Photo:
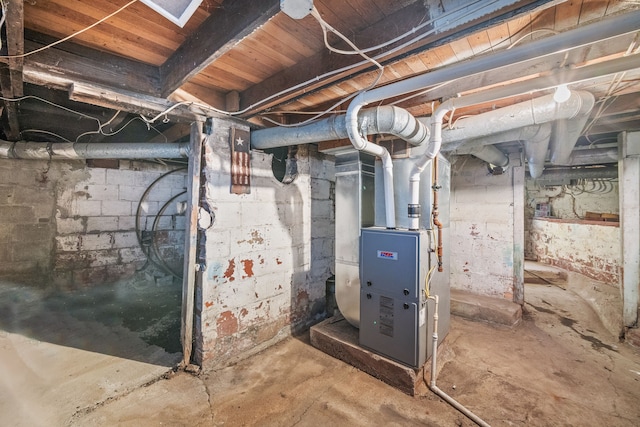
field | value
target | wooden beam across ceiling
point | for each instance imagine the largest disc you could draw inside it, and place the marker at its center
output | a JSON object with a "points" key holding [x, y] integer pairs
{"points": [[223, 30], [74, 63], [11, 82]]}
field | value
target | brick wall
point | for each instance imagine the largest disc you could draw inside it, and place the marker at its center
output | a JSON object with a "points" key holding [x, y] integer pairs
{"points": [[268, 253], [70, 225]]}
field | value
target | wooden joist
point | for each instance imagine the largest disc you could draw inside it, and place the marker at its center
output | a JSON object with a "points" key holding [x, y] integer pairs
{"points": [[221, 32]]}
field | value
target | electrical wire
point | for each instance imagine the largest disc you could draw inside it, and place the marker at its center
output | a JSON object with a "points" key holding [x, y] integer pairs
{"points": [[45, 132], [70, 36], [530, 33], [326, 27], [137, 224], [329, 73], [154, 241]]}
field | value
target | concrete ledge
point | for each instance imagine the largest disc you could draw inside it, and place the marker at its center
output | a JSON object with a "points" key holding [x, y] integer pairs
{"points": [[337, 338], [480, 307]]}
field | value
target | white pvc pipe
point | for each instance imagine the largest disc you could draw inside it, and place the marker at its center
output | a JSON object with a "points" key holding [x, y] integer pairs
{"points": [[434, 372], [420, 164], [361, 144]]}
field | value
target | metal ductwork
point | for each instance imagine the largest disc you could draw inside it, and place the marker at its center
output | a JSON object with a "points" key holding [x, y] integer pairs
{"points": [[594, 156], [385, 119], [559, 174], [521, 122], [71, 151]]}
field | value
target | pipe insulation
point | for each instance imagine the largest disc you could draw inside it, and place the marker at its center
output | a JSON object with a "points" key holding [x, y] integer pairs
{"points": [[71, 151]]}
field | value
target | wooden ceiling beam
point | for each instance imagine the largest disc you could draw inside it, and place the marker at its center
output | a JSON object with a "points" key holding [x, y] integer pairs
{"points": [[388, 28], [74, 63], [11, 82], [223, 30]]}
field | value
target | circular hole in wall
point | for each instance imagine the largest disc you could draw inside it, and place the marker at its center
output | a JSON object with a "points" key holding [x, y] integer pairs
{"points": [[284, 163]]}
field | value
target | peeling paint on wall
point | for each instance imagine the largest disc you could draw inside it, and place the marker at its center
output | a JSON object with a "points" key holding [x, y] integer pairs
{"points": [[269, 253], [589, 249]]}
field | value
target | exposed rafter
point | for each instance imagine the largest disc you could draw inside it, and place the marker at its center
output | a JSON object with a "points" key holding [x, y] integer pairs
{"points": [[322, 63], [217, 35]]}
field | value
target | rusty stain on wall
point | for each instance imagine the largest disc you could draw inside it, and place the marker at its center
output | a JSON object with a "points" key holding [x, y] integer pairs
{"points": [[228, 274], [227, 324], [255, 238], [248, 268]]}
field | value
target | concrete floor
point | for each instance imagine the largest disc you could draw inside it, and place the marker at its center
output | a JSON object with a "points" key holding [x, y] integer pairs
{"points": [[559, 366]]}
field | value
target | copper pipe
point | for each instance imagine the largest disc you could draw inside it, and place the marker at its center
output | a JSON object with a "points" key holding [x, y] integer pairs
{"points": [[435, 213]]}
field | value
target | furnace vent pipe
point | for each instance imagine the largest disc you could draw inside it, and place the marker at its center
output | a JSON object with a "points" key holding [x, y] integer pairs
{"points": [[386, 119], [71, 151]]}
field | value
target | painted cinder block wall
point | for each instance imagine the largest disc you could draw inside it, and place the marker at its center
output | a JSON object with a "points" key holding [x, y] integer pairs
{"points": [[588, 248], [268, 253], [67, 225], [96, 238], [486, 228]]}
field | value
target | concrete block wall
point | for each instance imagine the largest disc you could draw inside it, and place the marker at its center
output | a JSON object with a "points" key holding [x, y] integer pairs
{"points": [[589, 249], [96, 239], [27, 222], [268, 253], [572, 202], [485, 258], [64, 224]]}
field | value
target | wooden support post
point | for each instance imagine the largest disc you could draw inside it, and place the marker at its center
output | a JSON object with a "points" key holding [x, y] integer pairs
{"points": [[191, 242]]}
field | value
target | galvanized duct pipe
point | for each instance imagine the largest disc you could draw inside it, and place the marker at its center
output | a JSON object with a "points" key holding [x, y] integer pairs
{"points": [[571, 39], [595, 156], [581, 36], [70, 150], [564, 138], [385, 119], [605, 172], [536, 147], [483, 147], [533, 112]]}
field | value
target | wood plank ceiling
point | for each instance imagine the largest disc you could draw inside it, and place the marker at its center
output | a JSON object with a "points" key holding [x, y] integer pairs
{"points": [[234, 54]]}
